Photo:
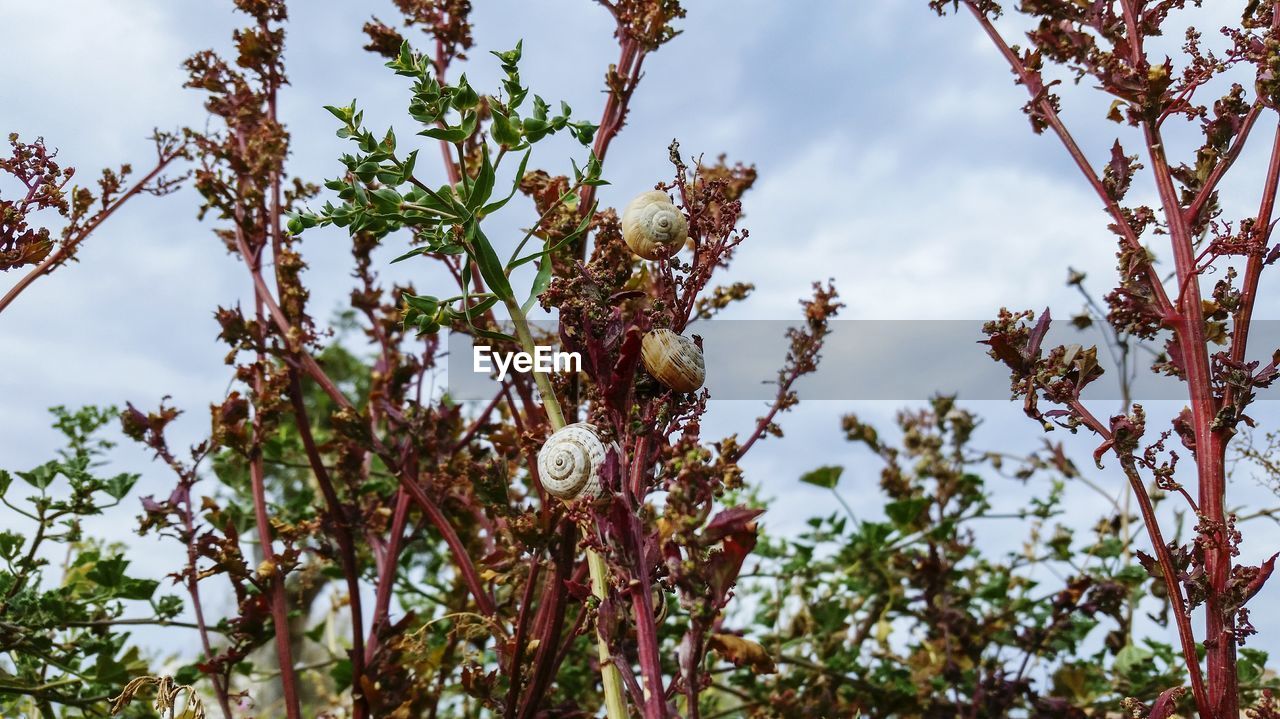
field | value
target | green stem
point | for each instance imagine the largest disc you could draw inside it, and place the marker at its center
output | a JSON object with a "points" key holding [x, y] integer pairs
{"points": [[525, 338], [614, 702], [615, 705]]}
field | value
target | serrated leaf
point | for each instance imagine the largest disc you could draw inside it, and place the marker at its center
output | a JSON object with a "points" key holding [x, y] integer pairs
{"points": [[118, 486]]}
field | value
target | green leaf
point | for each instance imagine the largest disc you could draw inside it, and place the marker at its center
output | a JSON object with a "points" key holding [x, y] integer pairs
{"points": [[139, 589], [406, 170], [426, 304], [108, 572], [904, 512], [341, 673], [503, 129], [490, 266], [41, 476], [10, 543], [404, 63], [826, 477], [187, 674], [546, 252], [465, 98], [448, 134], [1128, 658], [482, 188], [480, 307], [499, 336], [510, 57], [411, 253], [1252, 665], [342, 113], [515, 187], [386, 199], [535, 129], [540, 283], [118, 486]]}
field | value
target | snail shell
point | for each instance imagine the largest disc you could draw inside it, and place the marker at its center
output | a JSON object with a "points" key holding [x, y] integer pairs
{"points": [[569, 462], [659, 605], [652, 227], [674, 360]]}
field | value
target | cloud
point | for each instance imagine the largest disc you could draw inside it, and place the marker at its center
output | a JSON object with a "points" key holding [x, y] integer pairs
{"points": [[910, 237]]}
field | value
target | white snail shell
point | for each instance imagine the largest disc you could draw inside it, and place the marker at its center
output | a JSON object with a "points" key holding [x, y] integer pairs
{"points": [[569, 462], [673, 360], [652, 227]]}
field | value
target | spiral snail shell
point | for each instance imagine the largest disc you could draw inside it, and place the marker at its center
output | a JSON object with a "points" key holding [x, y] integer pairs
{"points": [[652, 227], [569, 462], [673, 360]]}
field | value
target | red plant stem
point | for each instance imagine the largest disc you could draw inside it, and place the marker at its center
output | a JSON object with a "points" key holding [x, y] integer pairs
{"points": [[641, 591], [655, 706], [1182, 618], [313, 370], [193, 588], [1034, 87], [689, 664], [1219, 700], [466, 567], [531, 459], [1219, 640], [64, 249], [441, 64], [341, 532], [551, 621], [386, 574], [575, 631], [639, 466], [481, 418], [517, 651], [1253, 266], [279, 602], [1220, 169], [763, 423], [630, 59]]}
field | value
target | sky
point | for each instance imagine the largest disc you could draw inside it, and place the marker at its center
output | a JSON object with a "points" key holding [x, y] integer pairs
{"points": [[892, 156]]}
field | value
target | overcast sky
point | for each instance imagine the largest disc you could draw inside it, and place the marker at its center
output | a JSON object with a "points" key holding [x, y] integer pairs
{"points": [[892, 155]]}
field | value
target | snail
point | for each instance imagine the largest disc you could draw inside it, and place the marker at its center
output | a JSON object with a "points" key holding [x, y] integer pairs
{"points": [[659, 605], [652, 227], [569, 462], [673, 360]]}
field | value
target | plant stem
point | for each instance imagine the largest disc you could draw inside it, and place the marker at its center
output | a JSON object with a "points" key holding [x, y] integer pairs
{"points": [[68, 246], [614, 703], [549, 402]]}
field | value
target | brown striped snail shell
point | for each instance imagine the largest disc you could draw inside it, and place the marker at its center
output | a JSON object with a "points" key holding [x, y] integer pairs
{"points": [[652, 227], [673, 360], [569, 462], [659, 605]]}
